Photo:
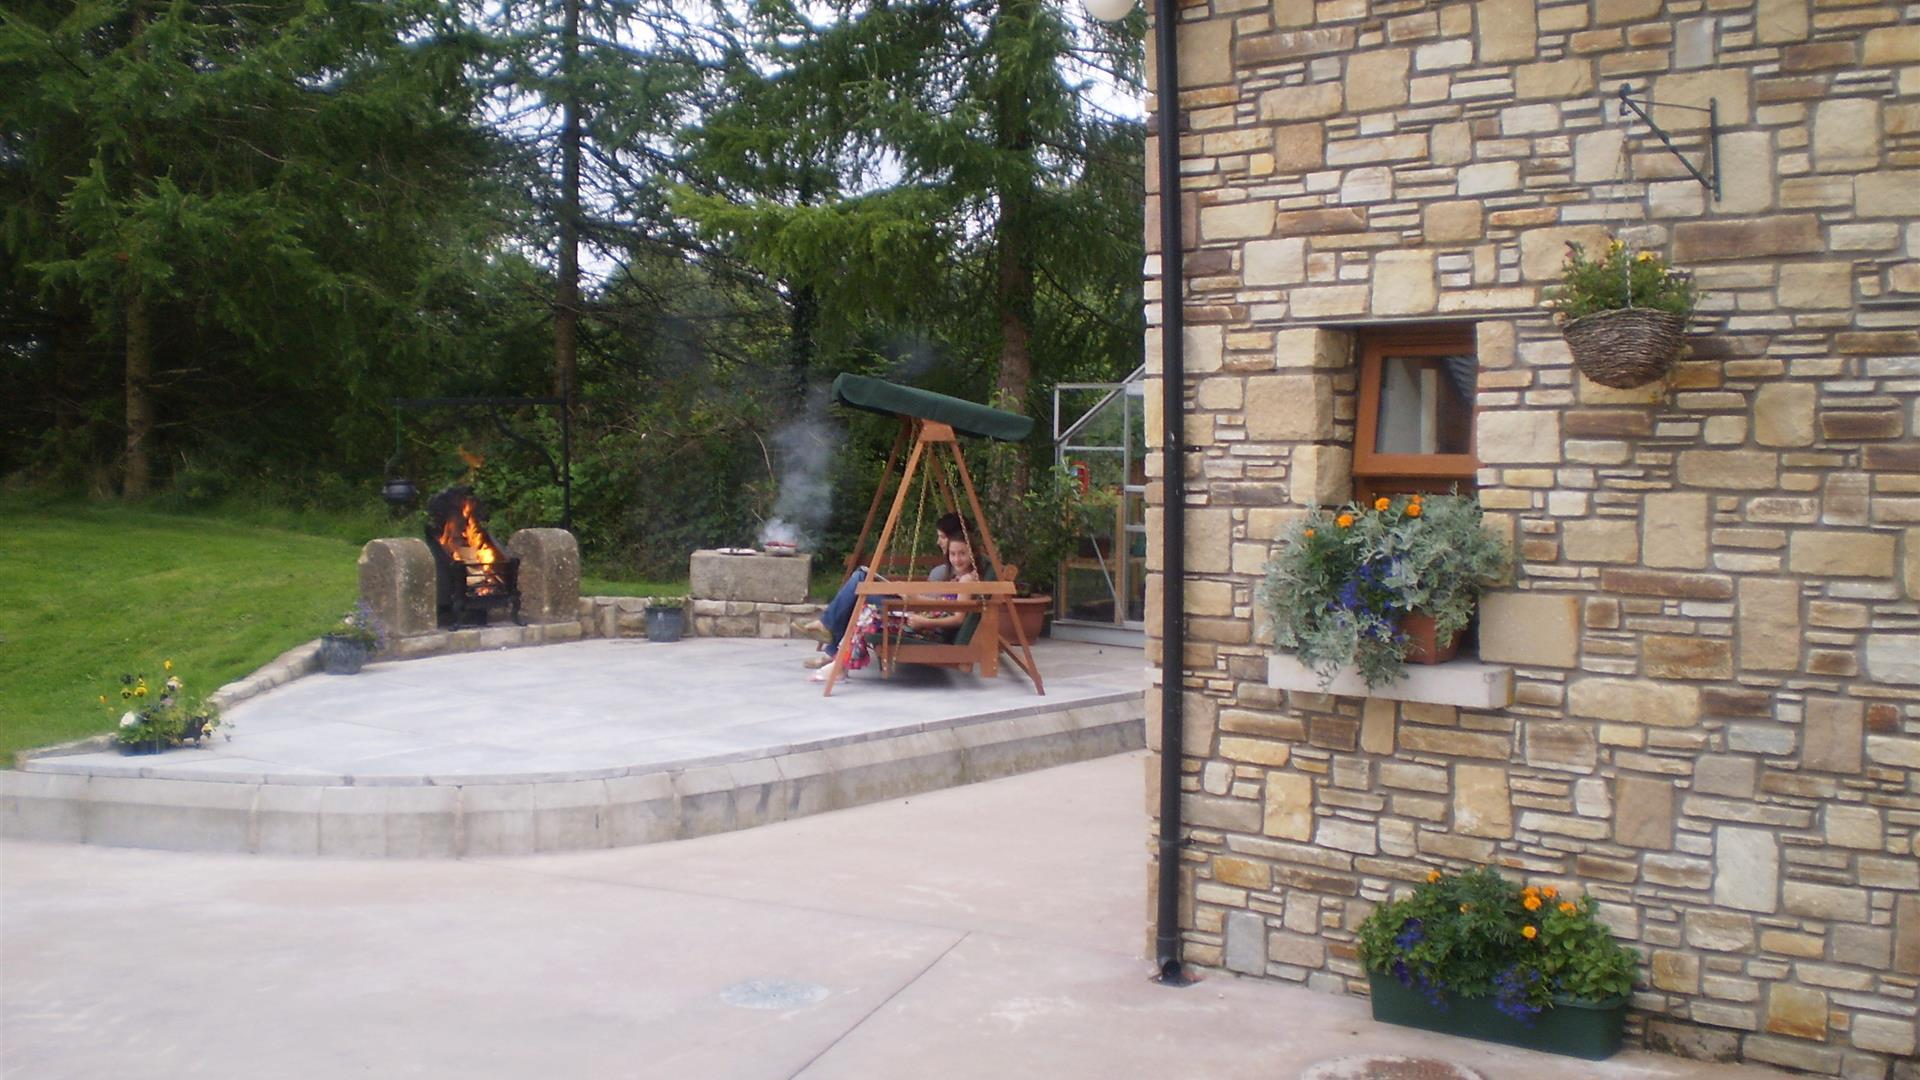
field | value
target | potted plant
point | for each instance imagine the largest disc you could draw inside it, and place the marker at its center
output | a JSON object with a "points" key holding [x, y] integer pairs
{"points": [[1039, 525], [1473, 954], [347, 647], [666, 618], [1623, 314], [1372, 587], [154, 719]]}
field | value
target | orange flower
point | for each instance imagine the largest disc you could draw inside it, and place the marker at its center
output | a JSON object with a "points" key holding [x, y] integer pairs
{"points": [[1531, 903], [1413, 510], [1529, 932], [1531, 890], [1345, 521], [1382, 503], [1567, 908], [1309, 532], [1549, 892], [1432, 875]]}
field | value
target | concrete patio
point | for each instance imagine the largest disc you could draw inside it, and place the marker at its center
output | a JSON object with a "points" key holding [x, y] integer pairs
{"points": [[994, 930], [591, 744]]}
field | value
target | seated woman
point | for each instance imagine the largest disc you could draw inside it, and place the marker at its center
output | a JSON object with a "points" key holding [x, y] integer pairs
{"points": [[872, 622], [950, 530]]}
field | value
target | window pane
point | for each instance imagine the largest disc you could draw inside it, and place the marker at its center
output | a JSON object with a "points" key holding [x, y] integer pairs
{"points": [[1426, 405]]}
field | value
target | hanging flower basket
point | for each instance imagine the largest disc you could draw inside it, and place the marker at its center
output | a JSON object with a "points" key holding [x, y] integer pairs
{"points": [[1626, 347]]}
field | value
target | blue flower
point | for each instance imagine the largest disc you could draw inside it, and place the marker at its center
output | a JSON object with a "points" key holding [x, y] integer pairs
{"points": [[1411, 934]]}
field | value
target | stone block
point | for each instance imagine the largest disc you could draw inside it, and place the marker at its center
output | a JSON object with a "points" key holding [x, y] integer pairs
{"points": [[1289, 408], [1746, 173], [1783, 412], [1884, 1034], [1768, 621], [1656, 704], [1810, 286], [1675, 971], [1793, 1010], [1830, 902], [1507, 30], [1531, 629], [1553, 745], [1643, 816], [1833, 735], [1289, 806], [1674, 530], [1482, 804], [1603, 540], [1746, 870], [771, 579], [1314, 101], [1846, 134], [1206, 56], [1906, 935], [1275, 262], [1403, 283], [1705, 241], [1719, 931], [1544, 251], [1237, 221], [1686, 656], [399, 582], [1856, 827], [1839, 553], [1452, 222], [1894, 658], [1517, 437], [1728, 87], [1777, 21], [1321, 475], [549, 574], [1246, 940], [1737, 470], [1377, 79], [1299, 148]]}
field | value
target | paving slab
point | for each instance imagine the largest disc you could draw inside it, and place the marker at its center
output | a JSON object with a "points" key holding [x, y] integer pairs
{"points": [[528, 740], [993, 930]]}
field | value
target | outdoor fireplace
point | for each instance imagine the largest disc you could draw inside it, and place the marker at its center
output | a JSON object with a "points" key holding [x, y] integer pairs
{"points": [[476, 575]]}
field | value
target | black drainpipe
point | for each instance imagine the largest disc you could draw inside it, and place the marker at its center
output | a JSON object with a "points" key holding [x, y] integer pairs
{"points": [[1173, 371]]}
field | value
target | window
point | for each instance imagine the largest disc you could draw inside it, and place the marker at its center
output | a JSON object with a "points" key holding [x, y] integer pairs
{"points": [[1415, 428]]}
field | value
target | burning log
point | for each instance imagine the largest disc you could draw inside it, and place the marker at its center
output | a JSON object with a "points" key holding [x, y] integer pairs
{"points": [[476, 575]]}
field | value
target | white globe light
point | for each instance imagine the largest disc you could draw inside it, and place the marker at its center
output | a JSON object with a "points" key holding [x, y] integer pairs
{"points": [[1109, 10]]}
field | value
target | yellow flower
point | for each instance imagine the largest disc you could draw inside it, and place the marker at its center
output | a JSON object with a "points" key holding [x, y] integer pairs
{"points": [[1617, 245], [1345, 521], [168, 664], [1531, 903], [1382, 503], [1567, 908], [140, 691], [103, 699], [1529, 932], [1645, 256], [1433, 876], [1464, 908]]}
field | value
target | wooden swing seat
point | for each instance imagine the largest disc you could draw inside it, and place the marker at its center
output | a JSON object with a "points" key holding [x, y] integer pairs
{"points": [[928, 424]]}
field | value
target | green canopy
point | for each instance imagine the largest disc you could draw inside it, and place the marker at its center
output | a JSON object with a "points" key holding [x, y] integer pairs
{"points": [[971, 418]]}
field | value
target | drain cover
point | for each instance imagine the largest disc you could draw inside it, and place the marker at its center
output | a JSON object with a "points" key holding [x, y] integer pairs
{"points": [[1387, 1067], [772, 994]]}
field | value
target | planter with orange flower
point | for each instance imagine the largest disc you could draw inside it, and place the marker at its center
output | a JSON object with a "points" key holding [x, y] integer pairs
{"points": [[1476, 955], [1375, 587]]}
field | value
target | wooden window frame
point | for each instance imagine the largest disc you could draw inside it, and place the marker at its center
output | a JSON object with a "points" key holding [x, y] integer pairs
{"points": [[1376, 474]]}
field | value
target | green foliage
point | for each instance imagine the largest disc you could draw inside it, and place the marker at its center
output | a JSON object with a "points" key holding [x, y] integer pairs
{"points": [[361, 627], [1478, 935], [1041, 524], [1343, 578], [160, 715], [1620, 278]]}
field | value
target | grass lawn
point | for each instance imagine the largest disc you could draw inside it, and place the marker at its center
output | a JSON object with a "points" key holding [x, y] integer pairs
{"points": [[89, 591]]}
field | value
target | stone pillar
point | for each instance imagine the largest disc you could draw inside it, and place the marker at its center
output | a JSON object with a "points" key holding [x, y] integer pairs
{"points": [[397, 582], [549, 574]]}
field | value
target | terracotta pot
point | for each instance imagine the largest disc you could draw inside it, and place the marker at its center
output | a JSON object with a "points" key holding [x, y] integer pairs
{"points": [[1422, 648], [1032, 611]]}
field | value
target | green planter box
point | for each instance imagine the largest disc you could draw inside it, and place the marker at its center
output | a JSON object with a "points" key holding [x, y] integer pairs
{"points": [[1581, 1029]]}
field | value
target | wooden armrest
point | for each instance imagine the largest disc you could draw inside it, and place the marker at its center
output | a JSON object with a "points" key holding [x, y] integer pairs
{"points": [[914, 589]]}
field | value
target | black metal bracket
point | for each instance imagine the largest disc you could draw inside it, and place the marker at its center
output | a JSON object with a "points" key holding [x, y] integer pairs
{"points": [[1710, 178]]}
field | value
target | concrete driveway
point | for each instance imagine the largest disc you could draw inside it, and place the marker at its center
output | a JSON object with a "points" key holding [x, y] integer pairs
{"points": [[994, 930]]}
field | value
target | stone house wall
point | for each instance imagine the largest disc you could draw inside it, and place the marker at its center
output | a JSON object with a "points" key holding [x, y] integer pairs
{"points": [[1712, 717]]}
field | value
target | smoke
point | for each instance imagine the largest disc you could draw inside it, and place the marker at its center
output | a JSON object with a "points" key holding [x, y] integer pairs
{"points": [[804, 449]]}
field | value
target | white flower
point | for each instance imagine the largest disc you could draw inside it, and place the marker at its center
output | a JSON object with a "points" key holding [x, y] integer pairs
{"points": [[130, 720]]}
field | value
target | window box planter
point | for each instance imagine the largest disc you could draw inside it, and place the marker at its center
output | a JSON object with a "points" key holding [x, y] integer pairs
{"points": [[1582, 1029]]}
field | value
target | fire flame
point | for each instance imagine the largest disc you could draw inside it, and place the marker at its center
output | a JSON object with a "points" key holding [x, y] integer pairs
{"points": [[466, 541]]}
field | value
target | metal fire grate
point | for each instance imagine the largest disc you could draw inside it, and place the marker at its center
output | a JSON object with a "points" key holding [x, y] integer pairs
{"points": [[476, 574]]}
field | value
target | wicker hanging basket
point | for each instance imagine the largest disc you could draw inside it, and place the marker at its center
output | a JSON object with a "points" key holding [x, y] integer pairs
{"points": [[1625, 347]]}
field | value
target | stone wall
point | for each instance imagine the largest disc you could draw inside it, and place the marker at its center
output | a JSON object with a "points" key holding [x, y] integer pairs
{"points": [[1714, 723]]}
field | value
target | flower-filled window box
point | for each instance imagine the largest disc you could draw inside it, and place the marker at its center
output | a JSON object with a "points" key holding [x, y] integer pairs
{"points": [[1364, 590]]}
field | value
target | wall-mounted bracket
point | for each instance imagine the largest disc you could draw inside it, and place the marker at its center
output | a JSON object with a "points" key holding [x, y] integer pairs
{"points": [[1710, 178]]}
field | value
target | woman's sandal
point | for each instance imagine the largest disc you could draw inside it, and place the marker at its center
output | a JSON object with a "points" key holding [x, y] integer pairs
{"points": [[817, 660]]}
